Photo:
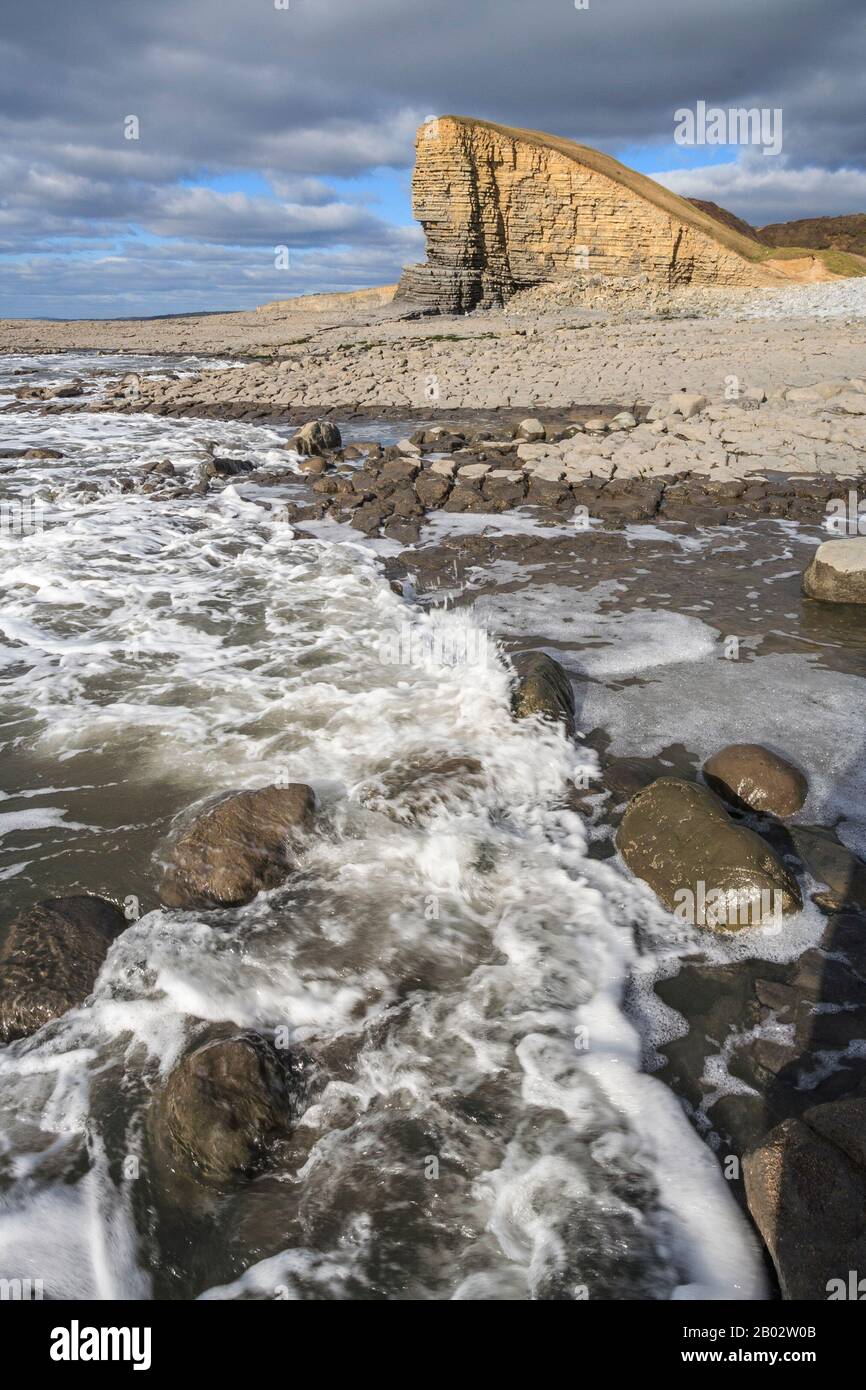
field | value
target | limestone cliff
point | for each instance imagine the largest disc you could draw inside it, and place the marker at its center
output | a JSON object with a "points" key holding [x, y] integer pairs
{"points": [[505, 209]]}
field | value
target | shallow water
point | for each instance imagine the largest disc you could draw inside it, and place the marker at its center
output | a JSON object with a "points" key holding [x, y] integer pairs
{"points": [[476, 1122]]}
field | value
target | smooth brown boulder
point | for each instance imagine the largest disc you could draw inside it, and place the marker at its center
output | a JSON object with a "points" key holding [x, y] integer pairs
{"points": [[679, 839], [542, 687], [318, 437], [236, 848], [50, 959], [222, 1106], [837, 573], [808, 1200], [750, 776]]}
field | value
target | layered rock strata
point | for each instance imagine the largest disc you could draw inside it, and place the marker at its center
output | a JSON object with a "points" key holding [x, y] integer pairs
{"points": [[506, 209]]}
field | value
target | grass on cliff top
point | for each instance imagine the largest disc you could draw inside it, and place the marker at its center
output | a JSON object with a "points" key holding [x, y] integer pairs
{"points": [[662, 197]]}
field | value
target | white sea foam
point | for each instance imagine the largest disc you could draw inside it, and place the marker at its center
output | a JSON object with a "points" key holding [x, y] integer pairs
{"points": [[436, 971]]}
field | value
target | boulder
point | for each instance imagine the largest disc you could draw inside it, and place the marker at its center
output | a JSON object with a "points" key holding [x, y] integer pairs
{"points": [[837, 573], [236, 848], [750, 776], [808, 1200], [369, 518], [432, 488], [445, 468], [679, 839], [50, 959], [224, 468], [842, 1123], [532, 430], [225, 1102], [473, 472], [318, 437], [542, 687]]}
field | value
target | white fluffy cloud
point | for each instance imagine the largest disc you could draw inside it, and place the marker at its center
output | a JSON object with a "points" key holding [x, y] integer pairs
{"points": [[766, 189]]}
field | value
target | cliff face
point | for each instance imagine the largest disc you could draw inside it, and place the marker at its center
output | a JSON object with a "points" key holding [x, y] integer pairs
{"points": [[505, 209]]}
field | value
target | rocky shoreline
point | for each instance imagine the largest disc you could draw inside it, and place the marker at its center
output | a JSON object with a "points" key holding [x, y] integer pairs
{"points": [[793, 1034]]}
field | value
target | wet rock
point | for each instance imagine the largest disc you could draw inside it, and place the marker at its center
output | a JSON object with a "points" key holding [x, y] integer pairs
{"points": [[72, 388], [413, 791], [325, 486], [832, 863], [542, 687], [224, 468], [545, 492], [531, 430], [369, 518], [837, 573], [446, 468], [808, 1200], [401, 529], [314, 465], [750, 776], [678, 838], [504, 488], [624, 776], [845, 935], [822, 978], [317, 437], [438, 439], [821, 1029], [466, 498], [50, 959], [223, 1106], [431, 488], [780, 999], [400, 470], [843, 1123], [405, 503], [236, 848]]}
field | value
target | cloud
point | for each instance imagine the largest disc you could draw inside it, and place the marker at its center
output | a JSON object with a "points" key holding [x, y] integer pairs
{"points": [[764, 190], [331, 91]]}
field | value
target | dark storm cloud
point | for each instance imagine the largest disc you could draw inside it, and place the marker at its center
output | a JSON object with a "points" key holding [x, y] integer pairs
{"points": [[330, 89]]}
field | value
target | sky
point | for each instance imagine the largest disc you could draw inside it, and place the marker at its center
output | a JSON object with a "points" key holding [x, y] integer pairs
{"points": [[169, 156]]}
